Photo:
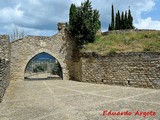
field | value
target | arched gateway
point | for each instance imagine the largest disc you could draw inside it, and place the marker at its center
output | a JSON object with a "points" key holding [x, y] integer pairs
{"points": [[23, 50]]}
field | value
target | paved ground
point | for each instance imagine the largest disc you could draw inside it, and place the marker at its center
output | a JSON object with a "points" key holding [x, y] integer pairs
{"points": [[41, 75], [69, 100]]}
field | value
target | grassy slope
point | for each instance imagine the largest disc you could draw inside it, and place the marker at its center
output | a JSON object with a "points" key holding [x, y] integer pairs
{"points": [[125, 42]]}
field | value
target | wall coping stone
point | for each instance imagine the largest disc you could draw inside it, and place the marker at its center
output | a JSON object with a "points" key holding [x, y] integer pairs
{"points": [[95, 55]]}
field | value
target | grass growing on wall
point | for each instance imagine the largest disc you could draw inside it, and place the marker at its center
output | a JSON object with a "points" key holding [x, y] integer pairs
{"points": [[141, 41]]}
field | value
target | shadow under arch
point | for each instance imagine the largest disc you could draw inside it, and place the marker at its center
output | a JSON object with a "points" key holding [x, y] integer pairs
{"points": [[51, 58]]}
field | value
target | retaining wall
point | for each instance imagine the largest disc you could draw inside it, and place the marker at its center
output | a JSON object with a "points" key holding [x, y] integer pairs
{"points": [[127, 69]]}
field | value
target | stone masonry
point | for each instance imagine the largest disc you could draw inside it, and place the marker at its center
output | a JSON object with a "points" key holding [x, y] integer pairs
{"points": [[4, 47], [127, 69], [4, 64], [4, 77], [23, 50]]}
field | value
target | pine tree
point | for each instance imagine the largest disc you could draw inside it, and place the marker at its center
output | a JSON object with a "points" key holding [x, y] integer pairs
{"points": [[112, 19]]}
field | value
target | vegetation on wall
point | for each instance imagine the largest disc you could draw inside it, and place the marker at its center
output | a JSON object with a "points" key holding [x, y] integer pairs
{"points": [[84, 22], [141, 41]]}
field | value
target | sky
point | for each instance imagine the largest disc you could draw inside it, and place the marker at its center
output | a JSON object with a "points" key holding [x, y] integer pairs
{"points": [[43, 56], [40, 17]]}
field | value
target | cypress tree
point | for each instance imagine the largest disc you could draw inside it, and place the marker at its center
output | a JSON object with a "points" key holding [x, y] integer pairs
{"points": [[86, 23], [130, 20], [122, 21], [119, 19], [109, 28], [112, 19], [72, 18], [90, 22], [95, 22], [117, 25], [126, 21]]}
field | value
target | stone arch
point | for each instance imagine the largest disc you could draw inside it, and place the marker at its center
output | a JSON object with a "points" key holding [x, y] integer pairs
{"points": [[42, 51], [60, 46]]}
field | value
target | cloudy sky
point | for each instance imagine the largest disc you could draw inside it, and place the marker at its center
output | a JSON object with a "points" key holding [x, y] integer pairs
{"points": [[40, 17]]}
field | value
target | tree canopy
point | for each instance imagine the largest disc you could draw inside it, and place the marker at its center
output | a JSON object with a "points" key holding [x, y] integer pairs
{"points": [[121, 21], [84, 22]]}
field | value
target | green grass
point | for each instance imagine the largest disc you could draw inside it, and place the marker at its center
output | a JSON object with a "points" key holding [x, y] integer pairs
{"points": [[141, 41]]}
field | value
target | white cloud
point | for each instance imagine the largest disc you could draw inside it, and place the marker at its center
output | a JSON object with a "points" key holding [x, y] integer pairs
{"points": [[77, 2], [28, 31], [148, 23], [137, 8], [34, 2], [42, 16], [8, 14], [143, 6]]}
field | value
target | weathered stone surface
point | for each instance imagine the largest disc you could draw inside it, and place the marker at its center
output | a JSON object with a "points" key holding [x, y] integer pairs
{"points": [[70, 100], [127, 69], [4, 64], [4, 47], [23, 50]]}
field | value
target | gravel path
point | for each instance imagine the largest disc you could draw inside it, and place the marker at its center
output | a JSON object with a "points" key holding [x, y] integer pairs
{"points": [[70, 100]]}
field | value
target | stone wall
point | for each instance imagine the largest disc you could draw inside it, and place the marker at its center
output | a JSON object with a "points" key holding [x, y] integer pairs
{"points": [[127, 69], [59, 46], [4, 47], [4, 76], [4, 64]]}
